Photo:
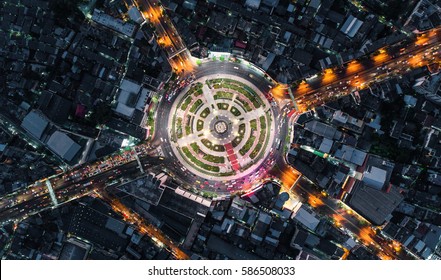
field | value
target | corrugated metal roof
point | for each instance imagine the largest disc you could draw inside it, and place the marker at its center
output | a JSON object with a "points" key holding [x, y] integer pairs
{"points": [[63, 145], [35, 124]]}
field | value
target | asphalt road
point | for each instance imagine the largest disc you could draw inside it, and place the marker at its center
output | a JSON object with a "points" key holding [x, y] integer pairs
{"points": [[166, 34], [37, 199], [164, 28], [348, 220], [330, 85], [359, 74]]}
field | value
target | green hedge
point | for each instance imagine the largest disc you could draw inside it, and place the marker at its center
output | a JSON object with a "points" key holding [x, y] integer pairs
{"points": [[178, 128], [214, 159], [247, 145], [245, 90], [235, 111], [222, 106], [207, 143], [195, 147], [186, 103], [205, 113], [253, 125], [199, 125], [199, 163], [256, 151], [262, 123], [244, 104], [223, 95], [262, 136], [196, 106]]}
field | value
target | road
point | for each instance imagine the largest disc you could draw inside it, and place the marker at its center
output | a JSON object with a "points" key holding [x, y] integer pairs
{"points": [[332, 83], [167, 36], [347, 220], [142, 226], [35, 199], [386, 63]]}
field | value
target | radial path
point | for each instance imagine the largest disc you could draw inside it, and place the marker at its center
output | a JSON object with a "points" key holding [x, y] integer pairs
{"points": [[220, 127]]}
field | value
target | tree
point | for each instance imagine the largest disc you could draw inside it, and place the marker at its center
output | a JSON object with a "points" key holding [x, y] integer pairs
{"points": [[65, 8], [102, 113]]}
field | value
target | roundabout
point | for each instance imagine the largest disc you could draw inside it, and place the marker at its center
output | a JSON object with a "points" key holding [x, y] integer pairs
{"points": [[221, 127]]}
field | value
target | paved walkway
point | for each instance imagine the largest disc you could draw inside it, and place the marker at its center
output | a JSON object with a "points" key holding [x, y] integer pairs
{"points": [[208, 95], [234, 160], [232, 157]]}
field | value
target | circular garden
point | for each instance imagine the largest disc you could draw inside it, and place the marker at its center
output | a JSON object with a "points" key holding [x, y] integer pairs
{"points": [[220, 127]]}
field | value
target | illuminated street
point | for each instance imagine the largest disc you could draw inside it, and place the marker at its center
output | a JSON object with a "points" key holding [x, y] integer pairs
{"points": [[334, 83], [179, 131], [345, 218], [35, 199]]}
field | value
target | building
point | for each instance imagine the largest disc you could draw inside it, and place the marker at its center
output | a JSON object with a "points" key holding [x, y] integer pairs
{"points": [[351, 26], [430, 87], [326, 145], [189, 4], [306, 218], [259, 231], [242, 211], [74, 249], [147, 188], [35, 123], [420, 238], [347, 121], [63, 145], [135, 15], [323, 129], [118, 25], [253, 4], [55, 107], [351, 155], [373, 204], [98, 228], [132, 100], [304, 241], [204, 202], [375, 177]]}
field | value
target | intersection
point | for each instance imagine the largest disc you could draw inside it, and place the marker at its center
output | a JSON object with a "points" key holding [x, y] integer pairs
{"points": [[220, 128]]}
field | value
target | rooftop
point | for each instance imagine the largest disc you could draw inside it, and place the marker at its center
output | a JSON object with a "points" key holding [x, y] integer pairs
{"points": [[63, 145], [35, 124], [90, 224], [113, 23], [373, 204], [326, 145], [351, 155], [322, 129], [146, 188], [306, 218], [351, 26], [375, 177]]}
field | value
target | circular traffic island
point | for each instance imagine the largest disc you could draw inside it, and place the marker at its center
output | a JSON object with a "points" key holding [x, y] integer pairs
{"points": [[221, 127]]}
